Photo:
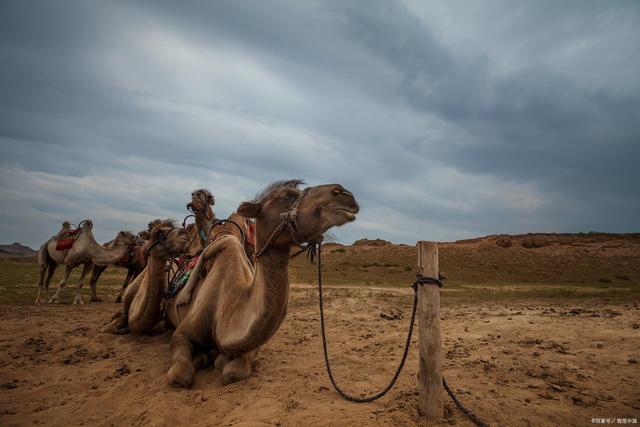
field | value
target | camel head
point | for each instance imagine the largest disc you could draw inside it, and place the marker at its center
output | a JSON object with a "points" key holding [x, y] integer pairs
{"points": [[124, 238], [318, 209], [86, 224], [143, 236], [168, 241], [152, 224], [201, 201]]}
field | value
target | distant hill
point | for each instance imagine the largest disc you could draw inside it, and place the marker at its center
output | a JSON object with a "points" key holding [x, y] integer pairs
{"points": [[16, 250], [547, 258]]}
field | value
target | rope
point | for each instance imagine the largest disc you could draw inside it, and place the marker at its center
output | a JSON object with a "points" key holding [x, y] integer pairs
{"points": [[420, 280], [326, 353], [474, 419]]}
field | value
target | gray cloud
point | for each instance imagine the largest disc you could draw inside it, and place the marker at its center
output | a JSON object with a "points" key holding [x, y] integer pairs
{"points": [[446, 120]]}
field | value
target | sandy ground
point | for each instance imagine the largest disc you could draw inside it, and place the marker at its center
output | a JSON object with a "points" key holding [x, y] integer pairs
{"points": [[524, 363]]}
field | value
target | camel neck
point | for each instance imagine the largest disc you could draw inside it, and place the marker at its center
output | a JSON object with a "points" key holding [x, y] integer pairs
{"points": [[156, 270], [104, 256], [266, 303], [204, 218]]}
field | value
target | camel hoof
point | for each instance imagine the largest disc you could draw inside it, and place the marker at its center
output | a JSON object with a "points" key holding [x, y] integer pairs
{"points": [[181, 375], [78, 300], [221, 362], [229, 377], [53, 301]]}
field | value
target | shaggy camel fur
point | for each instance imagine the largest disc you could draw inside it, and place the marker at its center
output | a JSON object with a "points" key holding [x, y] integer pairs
{"points": [[227, 306], [85, 251]]}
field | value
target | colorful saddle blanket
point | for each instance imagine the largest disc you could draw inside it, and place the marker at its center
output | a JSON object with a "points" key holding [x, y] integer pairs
{"points": [[182, 277], [66, 239]]}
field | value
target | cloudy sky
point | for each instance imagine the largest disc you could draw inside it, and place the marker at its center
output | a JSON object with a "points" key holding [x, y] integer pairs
{"points": [[446, 119]]}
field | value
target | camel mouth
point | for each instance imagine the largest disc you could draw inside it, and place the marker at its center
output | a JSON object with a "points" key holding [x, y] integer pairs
{"points": [[349, 214]]}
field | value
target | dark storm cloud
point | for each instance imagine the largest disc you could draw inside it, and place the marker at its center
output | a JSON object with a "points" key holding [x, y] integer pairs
{"points": [[446, 121]]}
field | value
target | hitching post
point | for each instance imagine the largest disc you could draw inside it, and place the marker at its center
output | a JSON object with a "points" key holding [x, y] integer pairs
{"points": [[430, 403]]}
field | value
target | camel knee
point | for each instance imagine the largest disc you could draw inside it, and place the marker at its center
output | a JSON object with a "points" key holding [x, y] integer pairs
{"points": [[236, 370], [181, 374]]}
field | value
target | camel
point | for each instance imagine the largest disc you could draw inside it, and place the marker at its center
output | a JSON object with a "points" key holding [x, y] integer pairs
{"points": [[134, 260], [228, 306], [141, 312], [85, 251], [201, 205]]}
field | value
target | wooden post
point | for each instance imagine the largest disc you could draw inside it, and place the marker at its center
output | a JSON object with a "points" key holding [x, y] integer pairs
{"points": [[430, 403]]}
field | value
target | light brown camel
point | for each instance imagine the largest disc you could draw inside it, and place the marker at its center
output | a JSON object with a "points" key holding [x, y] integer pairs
{"points": [[228, 306], [85, 251], [134, 260], [201, 205], [141, 310]]}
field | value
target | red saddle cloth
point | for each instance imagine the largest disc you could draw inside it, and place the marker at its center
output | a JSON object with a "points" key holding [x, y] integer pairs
{"points": [[66, 239]]}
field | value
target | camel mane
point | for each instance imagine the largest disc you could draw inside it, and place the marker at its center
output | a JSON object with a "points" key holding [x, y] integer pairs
{"points": [[278, 185]]}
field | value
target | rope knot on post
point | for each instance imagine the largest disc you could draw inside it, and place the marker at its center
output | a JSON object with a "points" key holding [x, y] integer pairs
{"points": [[426, 280]]}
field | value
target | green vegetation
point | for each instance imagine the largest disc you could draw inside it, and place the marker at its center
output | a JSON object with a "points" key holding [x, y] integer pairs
{"points": [[19, 277]]}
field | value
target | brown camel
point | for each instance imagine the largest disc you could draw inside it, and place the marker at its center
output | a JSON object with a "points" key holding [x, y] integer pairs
{"points": [[85, 251], [141, 310], [201, 205], [134, 260], [229, 307]]}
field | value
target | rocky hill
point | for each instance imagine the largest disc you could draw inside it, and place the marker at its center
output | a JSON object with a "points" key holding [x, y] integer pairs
{"points": [[16, 250], [545, 258]]}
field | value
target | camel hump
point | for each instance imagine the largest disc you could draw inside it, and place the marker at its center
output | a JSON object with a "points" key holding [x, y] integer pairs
{"points": [[66, 224]]}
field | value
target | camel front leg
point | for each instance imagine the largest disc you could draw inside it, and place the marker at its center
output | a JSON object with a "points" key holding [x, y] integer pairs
{"points": [[85, 270], [95, 275], [56, 296], [182, 372], [130, 273], [238, 368]]}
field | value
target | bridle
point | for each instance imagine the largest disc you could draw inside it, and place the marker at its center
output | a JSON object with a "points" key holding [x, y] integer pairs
{"points": [[161, 239], [202, 234], [290, 222]]}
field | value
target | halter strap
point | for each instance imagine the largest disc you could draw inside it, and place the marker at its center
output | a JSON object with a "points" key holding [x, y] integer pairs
{"points": [[159, 240], [290, 221]]}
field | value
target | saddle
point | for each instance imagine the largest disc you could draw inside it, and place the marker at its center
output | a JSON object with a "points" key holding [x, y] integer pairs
{"points": [[66, 238]]}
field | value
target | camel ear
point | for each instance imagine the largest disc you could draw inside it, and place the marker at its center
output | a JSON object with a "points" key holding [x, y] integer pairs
{"points": [[212, 200], [249, 210], [144, 235]]}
